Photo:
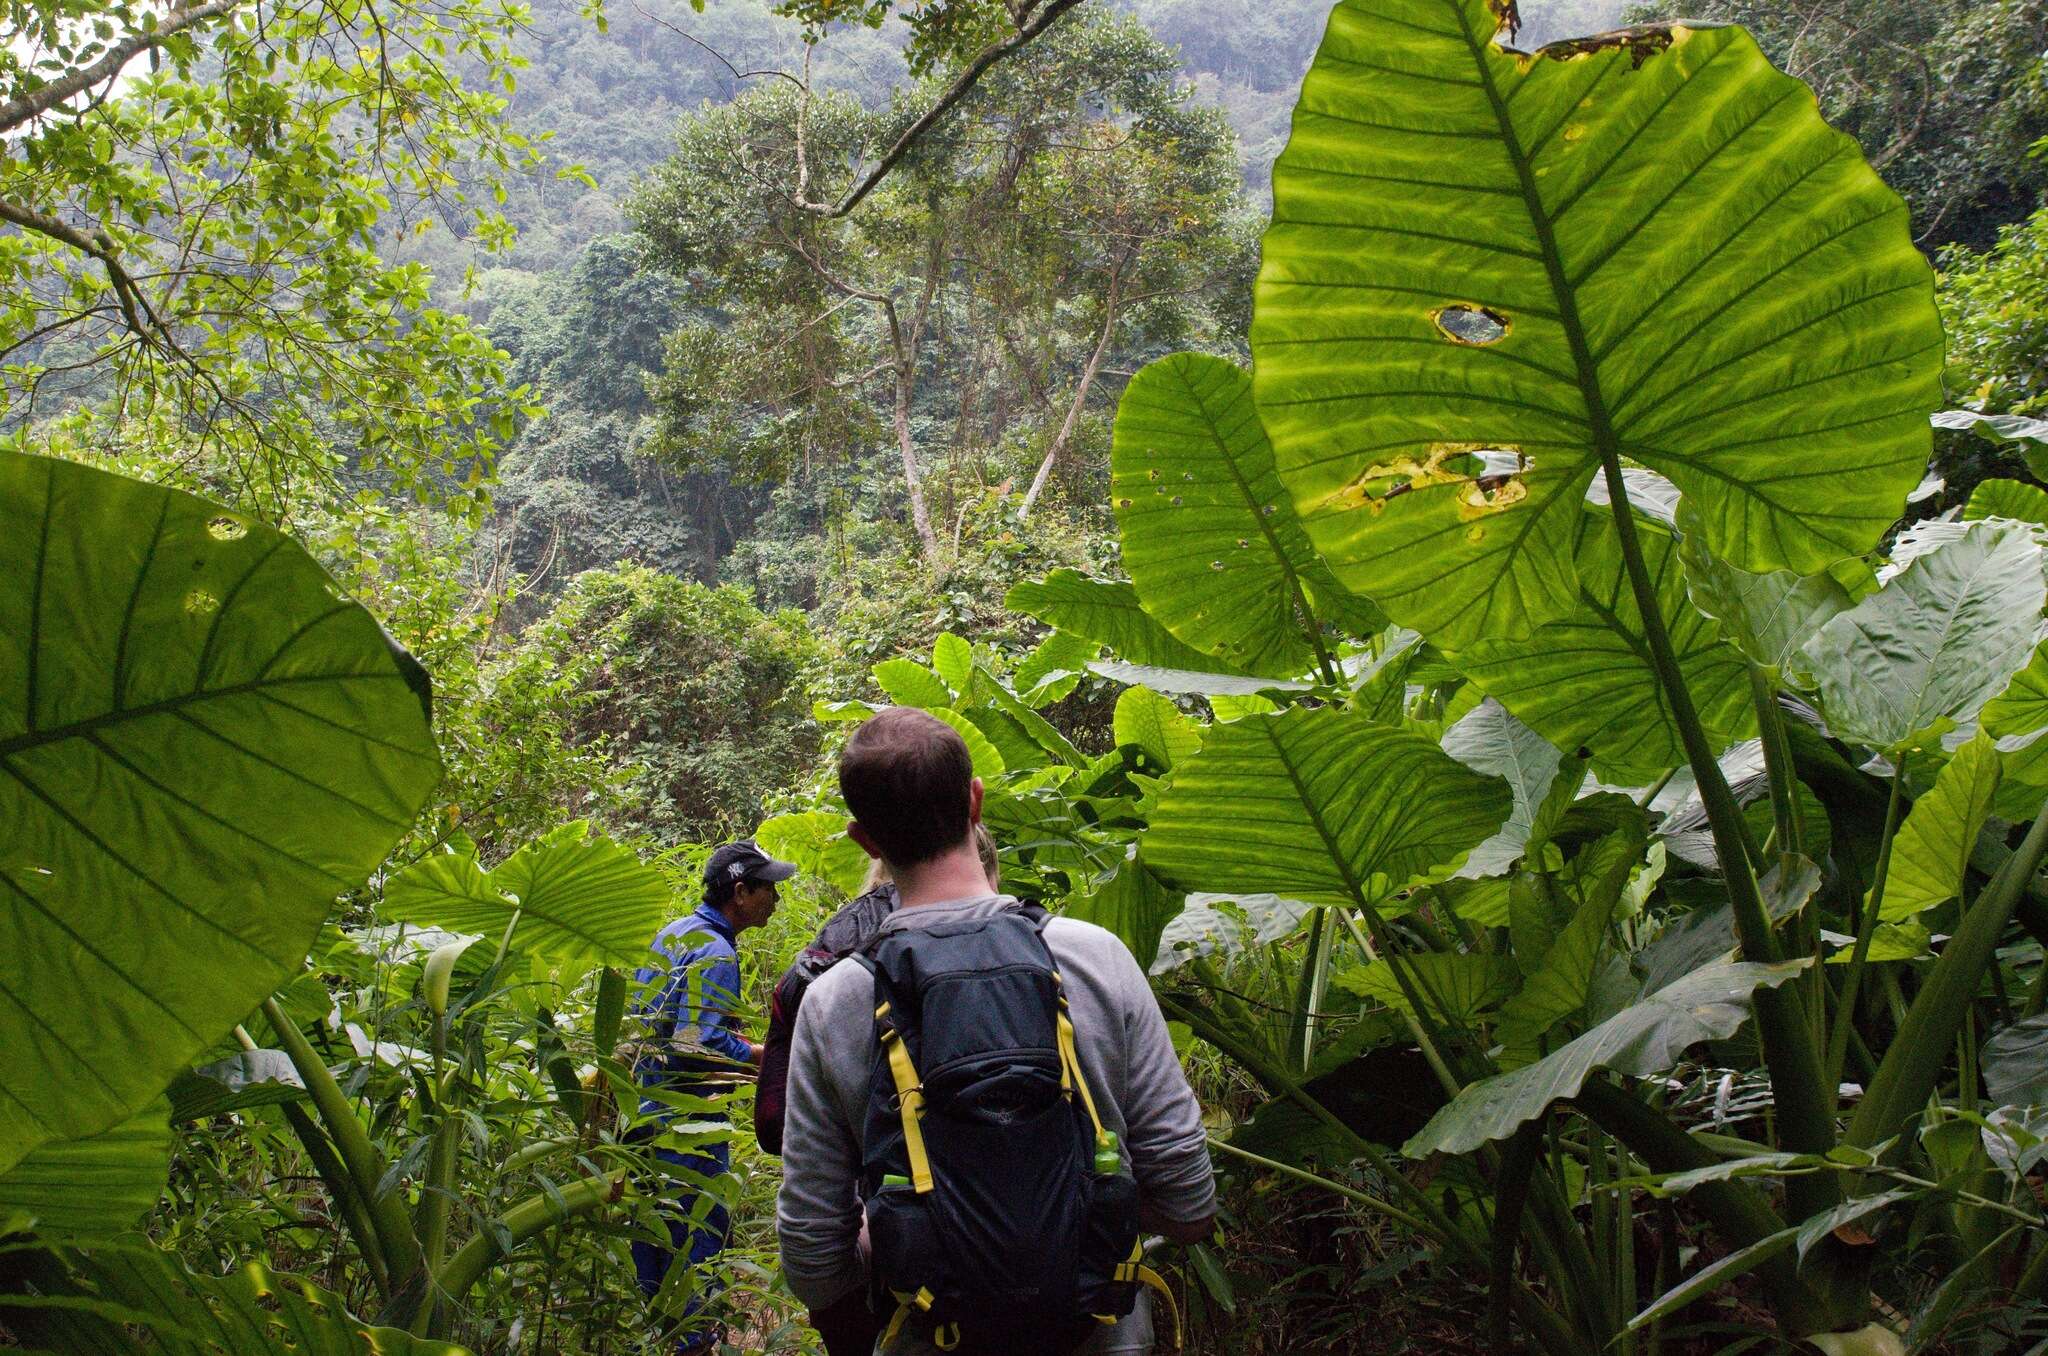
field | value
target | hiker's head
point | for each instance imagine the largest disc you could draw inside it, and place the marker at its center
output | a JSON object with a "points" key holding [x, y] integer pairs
{"points": [[910, 785], [740, 882]]}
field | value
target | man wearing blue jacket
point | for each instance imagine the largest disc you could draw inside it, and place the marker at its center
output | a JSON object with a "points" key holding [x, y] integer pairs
{"points": [[692, 1045]]}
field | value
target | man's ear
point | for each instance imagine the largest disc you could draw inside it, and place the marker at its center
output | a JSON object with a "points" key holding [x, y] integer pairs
{"points": [[974, 802], [860, 836]]}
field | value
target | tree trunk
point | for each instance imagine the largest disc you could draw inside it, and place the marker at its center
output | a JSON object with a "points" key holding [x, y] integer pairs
{"points": [[905, 373], [1059, 442]]}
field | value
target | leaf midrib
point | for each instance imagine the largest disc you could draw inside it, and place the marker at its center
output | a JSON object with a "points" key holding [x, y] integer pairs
{"points": [[34, 739]]}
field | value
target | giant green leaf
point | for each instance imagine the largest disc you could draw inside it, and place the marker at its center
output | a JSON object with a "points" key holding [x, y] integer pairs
{"points": [[1156, 727], [910, 683], [1925, 652], [2015, 1063], [988, 762], [1584, 681], [201, 745], [1645, 246], [582, 899], [2022, 707], [95, 1187], [1133, 903], [2008, 499], [248, 1078], [1642, 1041], [1319, 805], [1492, 741], [1109, 614], [1769, 616], [1456, 987], [1559, 981], [1209, 535], [816, 841], [1932, 849]]}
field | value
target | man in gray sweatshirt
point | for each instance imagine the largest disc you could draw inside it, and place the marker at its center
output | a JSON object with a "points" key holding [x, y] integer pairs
{"points": [[908, 781]]}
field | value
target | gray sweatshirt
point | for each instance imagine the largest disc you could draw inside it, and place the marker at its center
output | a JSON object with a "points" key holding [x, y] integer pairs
{"points": [[1125, 1052]]}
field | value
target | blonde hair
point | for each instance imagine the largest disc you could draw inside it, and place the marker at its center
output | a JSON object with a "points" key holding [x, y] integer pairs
{"points": [[984, 847]]}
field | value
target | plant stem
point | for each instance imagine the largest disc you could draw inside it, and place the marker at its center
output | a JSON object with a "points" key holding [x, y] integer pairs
{"points": [[1919, 1049], [520, 1223], [1352, 1194], [340, 1187], [1770, 723], [1866, 928], [365, 1165], [1805, 1101]]}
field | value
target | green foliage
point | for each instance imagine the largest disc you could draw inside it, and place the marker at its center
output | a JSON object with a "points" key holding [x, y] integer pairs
{"points": [[1993, 308], [193, 247], [204, 745], [1946, 98], [695, 693]]}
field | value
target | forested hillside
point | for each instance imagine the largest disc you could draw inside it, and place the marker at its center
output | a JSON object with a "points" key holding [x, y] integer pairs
{"points": [[1505, 568], [588, 323]]}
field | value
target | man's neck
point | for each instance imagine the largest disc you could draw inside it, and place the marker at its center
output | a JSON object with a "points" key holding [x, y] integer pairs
{"points": [[949, 876]]}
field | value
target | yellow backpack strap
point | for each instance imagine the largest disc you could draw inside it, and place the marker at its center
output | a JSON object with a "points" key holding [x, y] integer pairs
{"points": [[1071, 1077], [910, 1104], [1153, 1281], [947, 1336], [895, 1328]]}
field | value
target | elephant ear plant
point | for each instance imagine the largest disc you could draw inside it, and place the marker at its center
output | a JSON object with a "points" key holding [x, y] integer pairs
{"points": [[1587, 386], [202, 744]]}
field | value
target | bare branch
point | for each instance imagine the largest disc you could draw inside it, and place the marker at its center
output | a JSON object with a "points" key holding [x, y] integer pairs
{"points": [[955, 92]]}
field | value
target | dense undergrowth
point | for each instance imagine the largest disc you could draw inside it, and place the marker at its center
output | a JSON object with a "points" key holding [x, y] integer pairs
{"points": [[1547, 673]]}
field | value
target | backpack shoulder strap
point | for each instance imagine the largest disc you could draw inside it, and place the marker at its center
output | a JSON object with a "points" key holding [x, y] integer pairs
{"points": [[909, 1087]]}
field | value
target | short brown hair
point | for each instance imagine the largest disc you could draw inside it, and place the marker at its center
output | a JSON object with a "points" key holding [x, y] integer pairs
{"points": [[906, 776]]}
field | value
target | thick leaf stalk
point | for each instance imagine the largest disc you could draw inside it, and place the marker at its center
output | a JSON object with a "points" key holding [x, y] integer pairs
{"points": [[522, 1222], [1737, 1211], [1907, 1076], [1805, 1102], [365, 1165]]}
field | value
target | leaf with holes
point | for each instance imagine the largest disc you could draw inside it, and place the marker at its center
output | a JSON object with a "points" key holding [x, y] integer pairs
{"points": [[1584, 680], [1645, 246], [1209, 535], [1321, 806], [201, 745], [1924, 653], [582, 899]]}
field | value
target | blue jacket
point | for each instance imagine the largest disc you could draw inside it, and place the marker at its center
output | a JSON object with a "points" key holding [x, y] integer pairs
{"points": [[689, 999]]}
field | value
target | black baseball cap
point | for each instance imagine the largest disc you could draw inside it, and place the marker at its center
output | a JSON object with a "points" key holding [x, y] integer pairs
{"points": [[734, 862]]}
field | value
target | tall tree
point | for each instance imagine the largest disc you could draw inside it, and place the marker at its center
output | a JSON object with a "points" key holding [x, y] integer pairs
{"points": [[1076, 201], [192, 195]]}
